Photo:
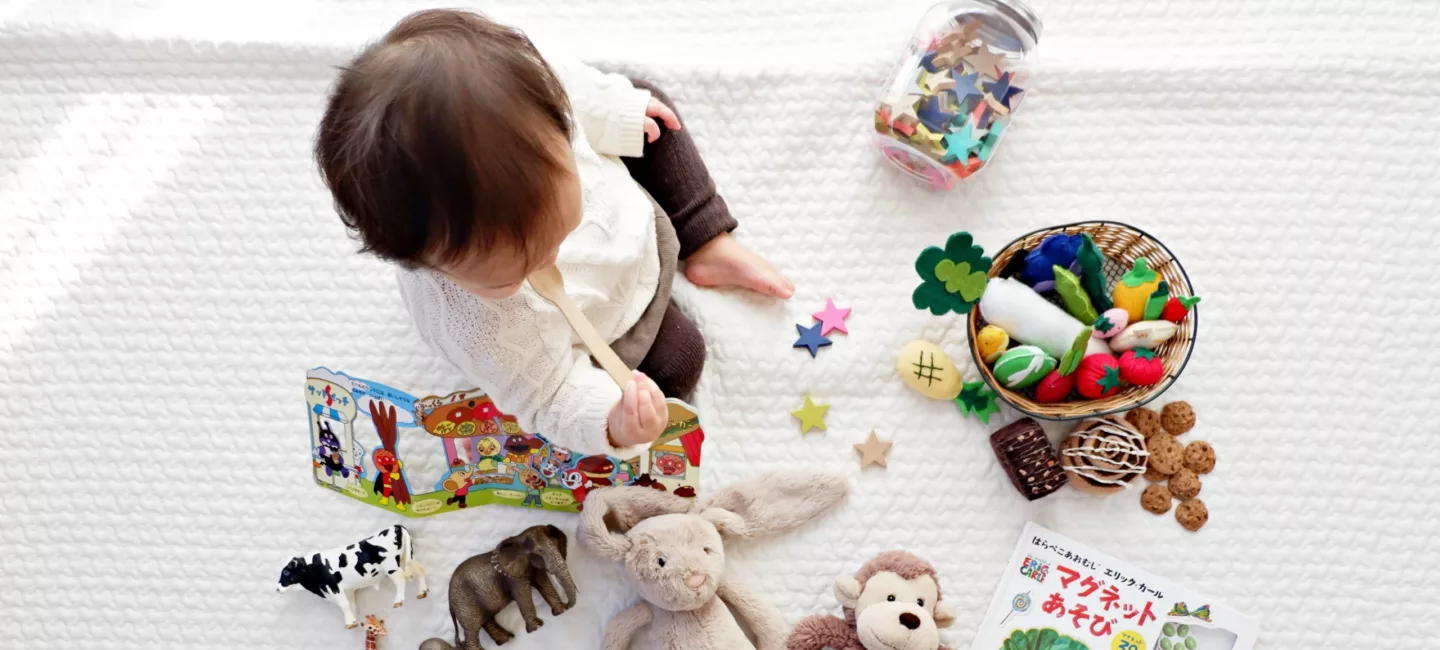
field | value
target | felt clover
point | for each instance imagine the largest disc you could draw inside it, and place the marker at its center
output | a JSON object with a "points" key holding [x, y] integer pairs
{"points": [[977, 399], [954, 277]]}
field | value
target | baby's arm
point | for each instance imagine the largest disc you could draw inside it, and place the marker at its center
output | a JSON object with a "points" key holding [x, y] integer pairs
{"points": [[610, 110]]}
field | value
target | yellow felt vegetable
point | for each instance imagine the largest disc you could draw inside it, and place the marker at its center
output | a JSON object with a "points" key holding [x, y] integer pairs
{"points": [[1134, 289], [991, 342]]}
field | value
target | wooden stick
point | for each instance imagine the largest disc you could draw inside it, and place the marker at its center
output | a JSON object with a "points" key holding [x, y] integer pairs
{"points": [[551, 286]]}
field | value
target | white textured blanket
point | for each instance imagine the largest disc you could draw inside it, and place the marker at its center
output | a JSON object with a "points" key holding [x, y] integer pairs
{"points": [[170, 266]]}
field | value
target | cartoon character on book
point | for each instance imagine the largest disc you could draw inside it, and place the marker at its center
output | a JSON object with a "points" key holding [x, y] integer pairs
{"points": [[490, 456], [534, 486], [458, 484], [329, 454]]}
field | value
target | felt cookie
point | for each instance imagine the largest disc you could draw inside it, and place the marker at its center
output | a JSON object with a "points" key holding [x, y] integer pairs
{"points": [[1166, 455], [1156, 498], [1177, 418], [1103, 455], [1152, 475], [1192, 514], [1184, 484], [1145, 421], [1028, 458], [1200, 457]]}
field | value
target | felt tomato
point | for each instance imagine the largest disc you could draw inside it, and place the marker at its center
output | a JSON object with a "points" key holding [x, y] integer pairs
{"points": [[1055, 387], [1098, 376], [1177, 308], [1141, 367]]}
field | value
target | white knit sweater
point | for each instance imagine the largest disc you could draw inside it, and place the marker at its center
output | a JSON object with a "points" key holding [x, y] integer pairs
{"points": [[520, 350]]}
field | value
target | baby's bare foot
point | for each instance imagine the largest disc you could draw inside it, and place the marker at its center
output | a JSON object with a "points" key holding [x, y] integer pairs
{"points": [[725, 262]]}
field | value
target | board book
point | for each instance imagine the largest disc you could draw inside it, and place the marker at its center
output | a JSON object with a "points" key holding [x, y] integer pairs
{"points": [[1059, 594], [425, 456]]}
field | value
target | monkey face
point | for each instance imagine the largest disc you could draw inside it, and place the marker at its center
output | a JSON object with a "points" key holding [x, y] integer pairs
{"points": [[893, 613]]}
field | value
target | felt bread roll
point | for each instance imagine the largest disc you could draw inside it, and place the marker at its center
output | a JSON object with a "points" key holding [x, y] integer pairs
{"points": [[1029, 318]]}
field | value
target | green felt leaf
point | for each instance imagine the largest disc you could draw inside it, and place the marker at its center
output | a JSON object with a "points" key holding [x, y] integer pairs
{"points": [[958, 278], [1139, 273], [1155, 304], [1077, 302], [1142, 353], [925, 264], [1103, 324], [1188, 301], [1092, 273], [977, 399], [1110, 380], [932, 296], [1071, 360]]}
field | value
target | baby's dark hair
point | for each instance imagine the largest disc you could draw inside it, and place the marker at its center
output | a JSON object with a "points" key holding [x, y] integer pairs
{"points": [[440, 139]]}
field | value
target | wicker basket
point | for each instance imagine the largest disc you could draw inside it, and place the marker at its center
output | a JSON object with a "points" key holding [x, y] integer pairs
{"points": [[1121, 244]]}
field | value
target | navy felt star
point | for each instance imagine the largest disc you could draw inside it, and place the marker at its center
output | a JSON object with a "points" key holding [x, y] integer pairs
{"points": [[810, 338], [933, 115], [1001, 90], [966, 86]]}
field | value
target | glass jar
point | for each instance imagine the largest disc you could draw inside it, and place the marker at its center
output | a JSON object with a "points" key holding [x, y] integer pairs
{"points": [[941, 115]]}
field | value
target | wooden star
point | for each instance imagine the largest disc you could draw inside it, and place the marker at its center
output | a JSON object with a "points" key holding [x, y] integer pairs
{"points": [[811, 415], [873, 451], [985, 62]]}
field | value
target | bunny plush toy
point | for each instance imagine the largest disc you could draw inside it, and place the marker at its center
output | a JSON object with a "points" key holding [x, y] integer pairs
{"points": [[674, 550]]}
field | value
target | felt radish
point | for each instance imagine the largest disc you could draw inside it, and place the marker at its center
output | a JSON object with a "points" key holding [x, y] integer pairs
{"points": [[1031, 319], [1141, 367], [1111, 323], [1098, 376], [1055, 387], [1134, 289], [1178, 308]]}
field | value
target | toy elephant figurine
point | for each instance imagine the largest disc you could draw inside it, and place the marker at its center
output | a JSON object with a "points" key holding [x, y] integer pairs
{"points": [[484, 584]]}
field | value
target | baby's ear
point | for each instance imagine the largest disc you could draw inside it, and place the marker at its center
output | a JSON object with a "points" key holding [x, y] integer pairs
{"points": [[944, 613], [847, 591]]}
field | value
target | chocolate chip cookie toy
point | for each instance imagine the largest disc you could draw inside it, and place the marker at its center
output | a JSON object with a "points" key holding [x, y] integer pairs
{"points": [[1166, 454], [1177, 418], [1199, 457], [1192, 514], [1156, 498]]}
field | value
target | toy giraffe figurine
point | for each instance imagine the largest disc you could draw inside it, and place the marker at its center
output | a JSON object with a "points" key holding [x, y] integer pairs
{"points": [[374, 629]]}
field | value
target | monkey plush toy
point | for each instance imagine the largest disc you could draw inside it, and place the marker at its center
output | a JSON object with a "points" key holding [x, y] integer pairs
{"points": [[892, 603]]}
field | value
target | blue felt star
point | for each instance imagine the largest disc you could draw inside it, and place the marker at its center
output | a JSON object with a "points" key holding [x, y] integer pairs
{"points": [[992, 139], [928, 62], [958, 144], [966, 86], [933, 115], [1001, 90], [810, 338]]}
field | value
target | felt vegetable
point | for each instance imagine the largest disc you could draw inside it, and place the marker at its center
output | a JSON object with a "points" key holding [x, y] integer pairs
{"points": [[1071, 360], [1055, 387], [1134, 289], [1092, 273], [1077, 302], [953, 278], [1148, 335], [1056, 250], [991, 342], [1098, 376], [1023, 366], [926, 369], [1031, 319], [1155, 304], [1141, 367], [1178, 308], [1111, 323], [977, 399]]}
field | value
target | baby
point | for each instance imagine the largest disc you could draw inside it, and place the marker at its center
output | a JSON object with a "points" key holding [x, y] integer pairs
{"points": [[454, 149]]}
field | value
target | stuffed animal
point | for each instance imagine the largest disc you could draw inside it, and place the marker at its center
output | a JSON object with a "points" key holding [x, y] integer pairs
{"points": [[674, 550], [892, 603]]}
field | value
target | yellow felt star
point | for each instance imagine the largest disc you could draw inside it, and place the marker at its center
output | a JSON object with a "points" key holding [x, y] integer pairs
{"points": [[873, 451], [811, 415]]}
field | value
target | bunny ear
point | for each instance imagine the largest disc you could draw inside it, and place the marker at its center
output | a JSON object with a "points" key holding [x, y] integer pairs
{"points": [[611, 512], [772, 503]]}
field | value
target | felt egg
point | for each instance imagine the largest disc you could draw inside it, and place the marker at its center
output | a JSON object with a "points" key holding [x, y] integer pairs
{"points": [[1148, 334], [1141, 367], [1111, 323], [1178, 308], [1134, 289], [991, 342], [1057, 250], [1055, 387], [1098, 376], [1023, 366], [926, 369]]}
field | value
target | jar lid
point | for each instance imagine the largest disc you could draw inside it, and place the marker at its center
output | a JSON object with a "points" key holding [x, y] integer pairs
{"points": [[1016, 15]]}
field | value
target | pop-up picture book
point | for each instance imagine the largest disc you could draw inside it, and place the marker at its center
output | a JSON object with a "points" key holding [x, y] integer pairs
{"points": [[1059, 594], [420, 457]]}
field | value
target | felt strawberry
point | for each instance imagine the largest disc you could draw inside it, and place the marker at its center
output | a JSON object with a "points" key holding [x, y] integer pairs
{"points": [[1055, 387], [1141, 367], [1098, 376], [1178, 307]]}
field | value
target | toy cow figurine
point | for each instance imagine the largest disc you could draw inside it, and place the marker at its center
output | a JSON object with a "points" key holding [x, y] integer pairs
{"points": [[335, 574]]}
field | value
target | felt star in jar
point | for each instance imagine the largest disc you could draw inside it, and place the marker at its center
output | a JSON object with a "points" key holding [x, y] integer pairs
{"points": [[992, 140], [965, 87], [959, 143], [939, 81], [1001, 91], [933, 114], [985, 62]]}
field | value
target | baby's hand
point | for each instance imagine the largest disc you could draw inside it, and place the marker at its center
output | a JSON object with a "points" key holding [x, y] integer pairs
{"points": [[641, 415], [654, 110]]}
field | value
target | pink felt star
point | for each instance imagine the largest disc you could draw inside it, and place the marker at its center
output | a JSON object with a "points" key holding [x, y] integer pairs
{"points": [[832, 318]]}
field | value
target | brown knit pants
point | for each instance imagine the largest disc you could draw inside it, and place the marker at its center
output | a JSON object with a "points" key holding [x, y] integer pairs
{"points": [[673, 173]]}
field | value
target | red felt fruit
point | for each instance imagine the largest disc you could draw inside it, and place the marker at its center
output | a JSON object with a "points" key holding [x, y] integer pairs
{"points": [[1098, 376], [1141, 367], [1177, 308], [1055, 387]]}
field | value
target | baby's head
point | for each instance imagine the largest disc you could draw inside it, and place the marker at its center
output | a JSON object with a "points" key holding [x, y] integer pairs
{"points": [[447, 145]]}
